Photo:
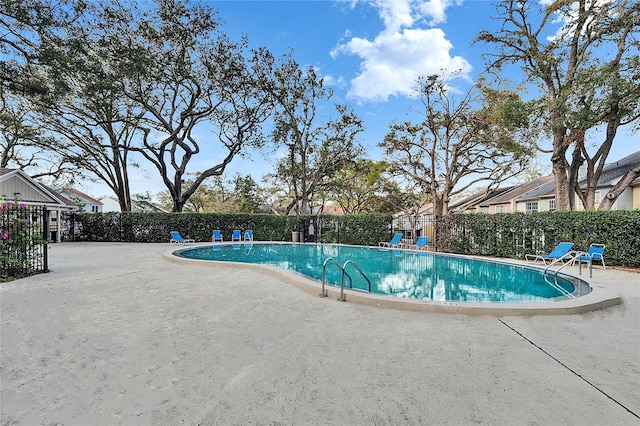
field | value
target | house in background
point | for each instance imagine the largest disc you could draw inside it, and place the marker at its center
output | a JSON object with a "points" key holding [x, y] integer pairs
{"points": [[635, 193], [537, 195], [476, 203], [85, 202], [543, 198], [507, 201], [147, 207], [17, 186], [110, 204], [539, 199], [611, 174]]}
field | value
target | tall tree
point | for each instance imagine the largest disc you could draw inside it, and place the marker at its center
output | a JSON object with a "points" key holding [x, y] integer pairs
{"points": [[317, 146], [31, 32], [363, 186], [246, 194], [480, 137], [95, 125], [90, 121], [571, 67], [24, 143], [189, 79], [607, 96], [160, 80]]}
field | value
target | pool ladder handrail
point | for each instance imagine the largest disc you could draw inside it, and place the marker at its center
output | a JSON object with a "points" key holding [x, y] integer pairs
{"points": [[572, 257], [343, 268]]}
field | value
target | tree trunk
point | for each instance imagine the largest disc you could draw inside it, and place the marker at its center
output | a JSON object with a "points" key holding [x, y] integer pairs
{"points": [[574, 177], [438, 207], [618, 188], [559, 167]]}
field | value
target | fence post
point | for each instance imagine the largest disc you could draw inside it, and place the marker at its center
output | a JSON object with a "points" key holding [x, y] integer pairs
{"points": [[45, 219]]}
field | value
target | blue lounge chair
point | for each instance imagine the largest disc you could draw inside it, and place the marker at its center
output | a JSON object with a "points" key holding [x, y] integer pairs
{"points": [[216, 236], [421, 244], [394, 242], [248, 236], [177, 238], [596, 252], [559, 252], [236, 235]]}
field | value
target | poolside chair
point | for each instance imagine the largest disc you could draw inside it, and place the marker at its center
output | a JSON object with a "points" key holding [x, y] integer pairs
{"points": [[248, 236], [236, 235], [177, 238], [216, 235], [561, 250], [421, 244], [394, 242], [596, 252]]}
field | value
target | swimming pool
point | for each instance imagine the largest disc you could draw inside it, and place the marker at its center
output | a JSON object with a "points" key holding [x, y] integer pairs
{"points": [[403, 273]]}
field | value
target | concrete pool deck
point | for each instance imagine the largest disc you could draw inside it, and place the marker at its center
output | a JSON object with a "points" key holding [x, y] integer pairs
{"points": [[115, 334]]}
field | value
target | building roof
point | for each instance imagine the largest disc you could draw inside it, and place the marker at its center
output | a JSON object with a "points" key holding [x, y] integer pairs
{"points": [[546, 190], [516, 191], [61, 197], [42, 193], [477, 199], [83, 196], [612, 172]]}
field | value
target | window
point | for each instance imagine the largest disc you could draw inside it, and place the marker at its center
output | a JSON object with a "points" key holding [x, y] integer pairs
{"points": [[94, 209], [552, 205], [531, 206], [501, 209], [597, 199]]}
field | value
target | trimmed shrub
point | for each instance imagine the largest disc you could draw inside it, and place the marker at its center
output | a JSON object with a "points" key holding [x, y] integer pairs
{"points": [[515, 234], [509, 235], [366, 229]]}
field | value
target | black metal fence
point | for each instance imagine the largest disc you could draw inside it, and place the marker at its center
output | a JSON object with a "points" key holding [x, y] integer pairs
{"points": [[413, 227], [23, 245]]}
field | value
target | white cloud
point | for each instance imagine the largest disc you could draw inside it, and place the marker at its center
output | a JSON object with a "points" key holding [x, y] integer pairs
{"points": [[403, 51], [567, 18], [330, 80]]}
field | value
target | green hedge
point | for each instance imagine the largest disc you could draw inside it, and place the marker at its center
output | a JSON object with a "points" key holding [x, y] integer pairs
{"points": [[515, 234], [154, 227], [510, 235]]}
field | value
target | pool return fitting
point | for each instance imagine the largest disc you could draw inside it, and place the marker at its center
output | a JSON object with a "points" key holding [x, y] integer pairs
{"points": [[343, 268]]}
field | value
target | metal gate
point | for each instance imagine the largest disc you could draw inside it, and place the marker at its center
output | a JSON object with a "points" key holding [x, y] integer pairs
{"points": [[23, 234]]}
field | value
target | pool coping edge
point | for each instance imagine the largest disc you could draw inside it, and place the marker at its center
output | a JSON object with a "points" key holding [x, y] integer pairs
{"points": [[597, 299]]}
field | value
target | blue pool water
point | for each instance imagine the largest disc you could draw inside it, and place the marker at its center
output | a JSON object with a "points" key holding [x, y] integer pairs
{"points": [[421, 275]]}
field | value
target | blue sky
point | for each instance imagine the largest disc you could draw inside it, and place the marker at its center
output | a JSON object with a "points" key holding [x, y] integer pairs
{"points": [[370, 53]]}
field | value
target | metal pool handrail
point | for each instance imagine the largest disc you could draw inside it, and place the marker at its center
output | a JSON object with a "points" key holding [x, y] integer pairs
{"points": [[323, 293], [573, 255], [343, 268]]}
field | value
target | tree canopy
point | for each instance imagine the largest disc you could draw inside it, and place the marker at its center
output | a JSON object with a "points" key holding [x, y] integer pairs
{"points": [[460, 142], [586, 73], [318, 145]]}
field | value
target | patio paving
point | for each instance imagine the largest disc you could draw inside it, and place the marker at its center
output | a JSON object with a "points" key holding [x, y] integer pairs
{"points": [[117, 335]]}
